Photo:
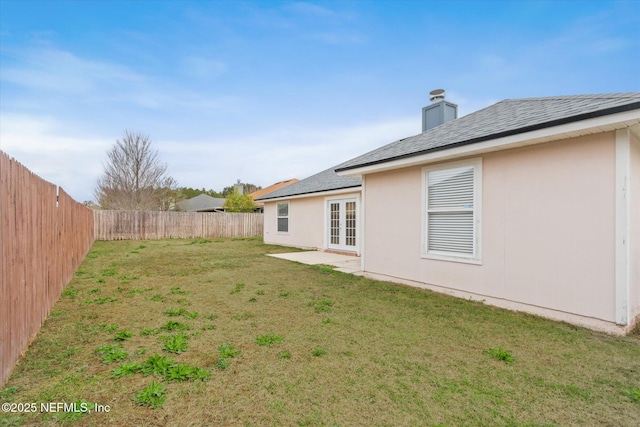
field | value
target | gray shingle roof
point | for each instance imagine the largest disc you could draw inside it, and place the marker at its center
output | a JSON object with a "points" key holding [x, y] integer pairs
{"points": [[508, 117], [326, 180], [201, 203]]}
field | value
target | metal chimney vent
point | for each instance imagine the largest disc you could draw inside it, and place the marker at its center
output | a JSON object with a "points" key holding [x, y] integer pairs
{"points": [[439, 112], [436, 95]]}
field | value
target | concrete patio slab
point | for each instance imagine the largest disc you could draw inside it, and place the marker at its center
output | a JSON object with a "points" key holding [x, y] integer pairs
{"points": [[344, 263]]}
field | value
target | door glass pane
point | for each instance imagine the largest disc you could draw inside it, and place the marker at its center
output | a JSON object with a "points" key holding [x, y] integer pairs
{"points": [[350, 223], [334, 229]]}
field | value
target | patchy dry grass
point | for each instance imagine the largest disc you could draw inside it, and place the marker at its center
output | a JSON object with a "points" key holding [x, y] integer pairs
{"points": [[264, 341]]}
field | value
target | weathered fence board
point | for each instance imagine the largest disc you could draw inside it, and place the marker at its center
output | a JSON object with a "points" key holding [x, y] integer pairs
{"points": [[141, 225], [44, 236]]}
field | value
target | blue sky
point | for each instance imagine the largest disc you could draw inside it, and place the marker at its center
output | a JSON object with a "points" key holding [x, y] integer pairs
{"points": [[264, 91]]}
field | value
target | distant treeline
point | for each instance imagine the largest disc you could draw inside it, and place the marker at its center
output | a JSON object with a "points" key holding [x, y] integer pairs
{"points": [[188, 192]]}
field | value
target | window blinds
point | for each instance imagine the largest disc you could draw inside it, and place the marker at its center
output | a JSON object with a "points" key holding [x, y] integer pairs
{"points": [[450, 210]]}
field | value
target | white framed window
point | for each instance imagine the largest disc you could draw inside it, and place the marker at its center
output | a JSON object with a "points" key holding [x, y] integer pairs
{"points": [[451, 226], [283, 217]]}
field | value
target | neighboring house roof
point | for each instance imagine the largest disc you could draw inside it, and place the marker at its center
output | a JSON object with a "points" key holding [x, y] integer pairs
{"points": [[327, 180], [202, 203], [508, 117], [278, 185]]}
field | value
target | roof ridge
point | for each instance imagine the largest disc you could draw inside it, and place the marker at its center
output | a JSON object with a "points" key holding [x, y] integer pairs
{"points": [[617, 95]]}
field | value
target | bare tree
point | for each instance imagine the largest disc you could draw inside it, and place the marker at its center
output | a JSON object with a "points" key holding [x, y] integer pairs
{"points": [[134, 178]]}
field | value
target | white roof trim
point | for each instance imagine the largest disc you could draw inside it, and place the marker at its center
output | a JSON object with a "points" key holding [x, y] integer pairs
{"points": [[570, 130], [357, 189]]}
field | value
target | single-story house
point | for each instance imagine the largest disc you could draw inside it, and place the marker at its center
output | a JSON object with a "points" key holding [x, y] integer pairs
{"points": [[529, 204], [202, 203], [319, 212]]}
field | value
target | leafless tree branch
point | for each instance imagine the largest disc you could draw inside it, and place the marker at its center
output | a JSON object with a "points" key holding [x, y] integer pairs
{"points": [[134, 178]]}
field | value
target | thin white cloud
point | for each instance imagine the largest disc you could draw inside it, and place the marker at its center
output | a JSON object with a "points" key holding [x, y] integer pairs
{"points": [[311, 21], [54, 70], [310, 9], [339, 37], [49, 150], [609, 45], [58, 74], [74, 161], [277, 154], [322, 14]]}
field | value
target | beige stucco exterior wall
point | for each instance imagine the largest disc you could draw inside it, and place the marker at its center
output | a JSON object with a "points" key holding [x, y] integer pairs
{"points": [[306, 222], [548, 230], [634, 225]]}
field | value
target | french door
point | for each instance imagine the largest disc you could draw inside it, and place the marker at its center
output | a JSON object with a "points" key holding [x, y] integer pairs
{"points": [[342, 224]]}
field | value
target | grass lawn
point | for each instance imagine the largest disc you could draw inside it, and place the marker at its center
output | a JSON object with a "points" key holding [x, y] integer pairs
{"points": [[198, 332]]}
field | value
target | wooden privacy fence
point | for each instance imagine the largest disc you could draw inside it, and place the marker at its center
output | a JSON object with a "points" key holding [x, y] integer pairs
{"points": [[125, 225], [44, 236]]}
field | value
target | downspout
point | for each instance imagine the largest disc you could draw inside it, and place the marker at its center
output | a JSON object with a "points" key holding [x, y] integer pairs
{"points": [[622, 226], [362, 223]]}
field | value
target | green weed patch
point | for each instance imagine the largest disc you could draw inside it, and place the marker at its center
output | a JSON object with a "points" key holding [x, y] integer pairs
{"points": [[103, 300], [175, 312], [172, 325], [123, 336], [269, 339], [177, 343], [111, 353], [154, 395], [501, 354], [228, 351]]}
